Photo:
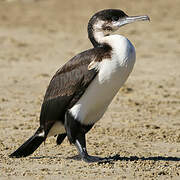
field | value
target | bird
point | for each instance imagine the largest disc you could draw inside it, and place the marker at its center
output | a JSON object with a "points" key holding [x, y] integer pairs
{"points": [[80, 92]]}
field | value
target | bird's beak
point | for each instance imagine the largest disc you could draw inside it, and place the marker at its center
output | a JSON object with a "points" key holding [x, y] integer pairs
{"points": [[131, 19]]}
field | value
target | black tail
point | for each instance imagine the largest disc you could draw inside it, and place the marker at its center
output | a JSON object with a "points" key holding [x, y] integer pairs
{"points": [[29, 146]]}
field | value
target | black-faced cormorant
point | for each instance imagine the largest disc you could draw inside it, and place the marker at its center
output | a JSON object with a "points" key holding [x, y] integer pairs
{"points": [[81, 90]]}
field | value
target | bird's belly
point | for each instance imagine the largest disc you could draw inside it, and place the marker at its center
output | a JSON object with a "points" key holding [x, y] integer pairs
{"points": [[94, 102]]}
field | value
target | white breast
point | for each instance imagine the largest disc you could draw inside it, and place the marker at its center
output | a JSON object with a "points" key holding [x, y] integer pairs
{"points": [[112, 75]]}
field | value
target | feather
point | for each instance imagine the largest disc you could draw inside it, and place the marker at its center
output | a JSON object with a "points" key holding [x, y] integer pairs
{"points": [[68, 85]]}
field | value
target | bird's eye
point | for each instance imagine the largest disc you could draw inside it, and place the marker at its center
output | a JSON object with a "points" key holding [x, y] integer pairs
{"points": [[115, 18]]}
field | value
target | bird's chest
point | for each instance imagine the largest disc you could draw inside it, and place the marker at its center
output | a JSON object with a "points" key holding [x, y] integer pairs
{"points": [[112, 73]]}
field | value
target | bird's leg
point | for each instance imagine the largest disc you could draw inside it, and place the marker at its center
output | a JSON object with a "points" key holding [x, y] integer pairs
{"points": [[80, 144], [76, 135], [60, 138]]}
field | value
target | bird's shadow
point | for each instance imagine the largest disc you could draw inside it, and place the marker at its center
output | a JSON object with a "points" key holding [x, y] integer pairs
{"points": [[117, 157]]}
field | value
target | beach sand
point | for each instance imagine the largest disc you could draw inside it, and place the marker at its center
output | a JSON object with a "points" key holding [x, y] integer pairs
{"points": [[141, 128]]}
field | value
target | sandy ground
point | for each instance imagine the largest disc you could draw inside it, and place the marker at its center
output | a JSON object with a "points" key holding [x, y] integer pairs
{"points": [[141, 128]]}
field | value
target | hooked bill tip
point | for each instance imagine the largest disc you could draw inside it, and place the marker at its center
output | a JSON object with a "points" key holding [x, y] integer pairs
{"points": [[147, 18]]}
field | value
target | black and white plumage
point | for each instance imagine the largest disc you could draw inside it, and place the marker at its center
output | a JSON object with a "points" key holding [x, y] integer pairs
{"points": [[80, 91]]}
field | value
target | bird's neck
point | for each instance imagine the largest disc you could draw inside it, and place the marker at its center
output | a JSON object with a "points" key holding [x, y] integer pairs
{"points": [[96, 36]]}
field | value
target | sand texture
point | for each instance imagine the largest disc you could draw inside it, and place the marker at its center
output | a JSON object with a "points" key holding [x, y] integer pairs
{"points": [[141, 128]]}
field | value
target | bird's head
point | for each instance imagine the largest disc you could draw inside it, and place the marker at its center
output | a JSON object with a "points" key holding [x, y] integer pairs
{"points": [[107, 21]]}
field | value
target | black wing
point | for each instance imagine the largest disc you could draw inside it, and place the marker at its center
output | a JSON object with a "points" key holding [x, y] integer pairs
{"points": [[68, 85]]}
